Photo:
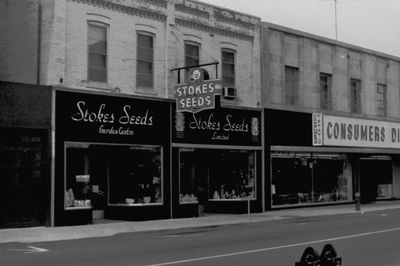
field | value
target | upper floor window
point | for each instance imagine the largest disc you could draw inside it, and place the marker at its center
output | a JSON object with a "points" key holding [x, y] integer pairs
{"points": [[291, 85], [381, 99], [97, 52], [325, 83], [355, 96], [192, 54], [145, 69], [228, 68]]}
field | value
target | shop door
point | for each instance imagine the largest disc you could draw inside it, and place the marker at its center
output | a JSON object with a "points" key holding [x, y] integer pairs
{"points": [[373, 173], [24, 192]]}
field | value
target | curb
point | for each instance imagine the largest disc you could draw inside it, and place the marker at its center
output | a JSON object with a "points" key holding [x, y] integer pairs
{"points": [[46, 234]]}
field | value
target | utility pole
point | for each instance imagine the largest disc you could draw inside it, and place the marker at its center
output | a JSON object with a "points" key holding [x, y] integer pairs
{"points": [[335, 20]]}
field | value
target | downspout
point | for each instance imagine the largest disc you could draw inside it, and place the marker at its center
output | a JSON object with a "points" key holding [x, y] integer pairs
{"points": [[39, 48]]}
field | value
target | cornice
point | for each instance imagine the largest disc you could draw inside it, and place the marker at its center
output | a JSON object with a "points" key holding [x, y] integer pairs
{"points": [[160, 3], [127, 9], [214, 30], [231, 19], [193, 11]]}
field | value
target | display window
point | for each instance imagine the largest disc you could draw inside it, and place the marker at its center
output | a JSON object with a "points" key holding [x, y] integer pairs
{"points": [[77, 177], [135, 176], [216, 174], [307, 178], [376, 178]]}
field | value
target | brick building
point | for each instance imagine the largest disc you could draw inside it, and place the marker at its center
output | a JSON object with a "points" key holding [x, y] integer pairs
{"points": [[302, 120], [113, 120], [49, 42]]}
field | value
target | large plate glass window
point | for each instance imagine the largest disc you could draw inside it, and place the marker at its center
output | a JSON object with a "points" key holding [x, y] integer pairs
{"points": [[77, 177], [306, 178], [135, 176], [213, 174]]}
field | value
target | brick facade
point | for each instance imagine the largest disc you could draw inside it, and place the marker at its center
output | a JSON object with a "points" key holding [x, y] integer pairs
{"points": [[63, 49]]}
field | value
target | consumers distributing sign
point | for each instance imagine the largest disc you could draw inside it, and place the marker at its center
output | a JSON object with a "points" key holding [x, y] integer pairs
{"points": [[196, 94], [330, 130]]}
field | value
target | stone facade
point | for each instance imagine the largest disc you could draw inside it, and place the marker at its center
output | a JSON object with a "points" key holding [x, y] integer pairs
{"points": [[63, 50], [313, 55]]}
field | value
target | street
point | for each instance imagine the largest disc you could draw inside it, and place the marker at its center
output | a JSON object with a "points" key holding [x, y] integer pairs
{"points": [[363, 239]]}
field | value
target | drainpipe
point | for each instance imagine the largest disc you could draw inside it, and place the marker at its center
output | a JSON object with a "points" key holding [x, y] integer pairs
{"points": [[39, 49]]}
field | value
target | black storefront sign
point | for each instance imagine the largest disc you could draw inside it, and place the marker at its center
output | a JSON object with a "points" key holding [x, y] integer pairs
{"points": [[222, 126], [99, 118]]}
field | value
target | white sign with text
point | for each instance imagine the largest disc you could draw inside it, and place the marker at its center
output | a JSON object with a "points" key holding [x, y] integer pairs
{"points": [[354, 132]]}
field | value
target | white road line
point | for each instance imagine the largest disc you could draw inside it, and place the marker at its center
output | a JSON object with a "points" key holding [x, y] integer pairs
{"points": [[274, 248]]}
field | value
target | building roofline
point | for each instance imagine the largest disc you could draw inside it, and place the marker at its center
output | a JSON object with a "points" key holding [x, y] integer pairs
{"points": [[227, 9], [329, 41]]}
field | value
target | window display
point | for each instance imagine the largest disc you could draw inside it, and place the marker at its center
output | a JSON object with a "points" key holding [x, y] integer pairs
{"points": [[77, 185], [135, 176], [309, 178], [216, 175]]}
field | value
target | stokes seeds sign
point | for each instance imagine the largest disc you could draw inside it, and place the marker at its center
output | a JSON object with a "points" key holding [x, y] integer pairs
{"points": [[196, 94]]}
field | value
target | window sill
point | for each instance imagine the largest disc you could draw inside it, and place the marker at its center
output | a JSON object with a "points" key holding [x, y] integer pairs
{"points": [[146, 91], [98, 85], [78, 208], [134, 204], [241, 199], [188, 202]]}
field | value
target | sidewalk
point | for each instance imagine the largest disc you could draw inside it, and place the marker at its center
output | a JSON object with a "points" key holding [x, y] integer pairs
{"points": [[39, 234]]}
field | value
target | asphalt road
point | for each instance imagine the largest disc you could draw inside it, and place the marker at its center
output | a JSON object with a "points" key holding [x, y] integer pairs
{"points": [[369, 239]]}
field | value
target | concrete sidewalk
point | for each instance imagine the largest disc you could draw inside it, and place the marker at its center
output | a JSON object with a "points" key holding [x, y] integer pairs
{"points": [[40, 234]]}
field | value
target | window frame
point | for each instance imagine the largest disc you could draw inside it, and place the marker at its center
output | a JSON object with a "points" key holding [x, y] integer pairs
{"points": [[194, 44], [291, 98], [381, 99], [106, 27], [148, 34], [325, 96], [141, 146], [86, 145], [234, 53], [215, 151], [75, 145], [355, 107]]}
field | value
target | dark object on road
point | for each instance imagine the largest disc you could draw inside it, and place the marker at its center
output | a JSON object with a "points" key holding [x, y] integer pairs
{"points": [[329, 256], [310, 257]]}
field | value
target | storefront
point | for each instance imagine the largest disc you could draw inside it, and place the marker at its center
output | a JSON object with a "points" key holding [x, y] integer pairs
{"points": [[309, 164], [377, 144], [112, 158], [301, 174], [25, 130], [216, 159]]}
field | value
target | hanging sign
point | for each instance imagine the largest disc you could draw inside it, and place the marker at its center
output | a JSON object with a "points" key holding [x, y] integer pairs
{"points": [[196, 94]]}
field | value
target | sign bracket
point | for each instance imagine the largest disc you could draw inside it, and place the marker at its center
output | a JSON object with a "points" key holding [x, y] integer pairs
{"points": [[195, 66]]}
